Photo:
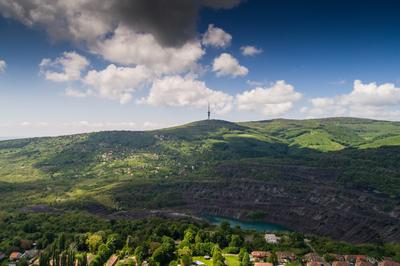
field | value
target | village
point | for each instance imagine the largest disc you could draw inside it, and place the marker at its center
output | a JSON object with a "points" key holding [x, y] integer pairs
{"points": [[31, 256]]}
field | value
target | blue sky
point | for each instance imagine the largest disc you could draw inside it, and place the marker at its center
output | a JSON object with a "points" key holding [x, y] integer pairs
{"points": [[66, 68]]}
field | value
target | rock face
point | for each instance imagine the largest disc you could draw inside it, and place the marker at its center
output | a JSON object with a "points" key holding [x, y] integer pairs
{"points": [[346, 214], [307, 199]]}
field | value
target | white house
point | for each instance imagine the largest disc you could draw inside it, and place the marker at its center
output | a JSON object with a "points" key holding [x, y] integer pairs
{"points": [[272, 238]]}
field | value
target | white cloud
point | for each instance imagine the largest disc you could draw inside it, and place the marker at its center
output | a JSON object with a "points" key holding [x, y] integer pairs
{"points": [[71, 92], [56, 128], [365, 100], [135, 34], [273, 101], [216, 37], [3, 66], [99, 125], [116, 83], [372, 94], [176, 91], [322, 102], [250, 50], [25, 124], [89, 126], [321, 107], [33, 124], [157, 34], [130, 48], [227, 65], [152, 125], [66, 68]]}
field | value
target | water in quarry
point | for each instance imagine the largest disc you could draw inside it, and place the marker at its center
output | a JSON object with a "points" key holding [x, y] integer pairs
{"points": [[248, 225]]}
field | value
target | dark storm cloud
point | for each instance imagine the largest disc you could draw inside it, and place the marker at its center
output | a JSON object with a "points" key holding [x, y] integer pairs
{"points": [[221, 3], [171, 22]]}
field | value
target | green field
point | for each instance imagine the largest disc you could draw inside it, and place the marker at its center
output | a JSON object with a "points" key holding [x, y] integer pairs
{"points": [[231, 260]]}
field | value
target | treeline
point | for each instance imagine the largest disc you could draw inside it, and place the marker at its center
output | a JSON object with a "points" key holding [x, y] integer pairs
{"points": [[158, 248], [66, 238]]}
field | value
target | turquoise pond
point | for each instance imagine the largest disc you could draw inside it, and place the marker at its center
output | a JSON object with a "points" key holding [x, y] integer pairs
{"points": [[257, 226]]}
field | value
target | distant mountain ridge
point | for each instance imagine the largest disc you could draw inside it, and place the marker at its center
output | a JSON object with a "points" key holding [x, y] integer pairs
{"points": [[335, 176], [9, 138]]}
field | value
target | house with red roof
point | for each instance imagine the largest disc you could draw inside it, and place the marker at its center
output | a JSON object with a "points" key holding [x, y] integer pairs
{"points": [[363, 263], [263, 264], [260, 255], [340, 263], [388, 262], [14, 256]]}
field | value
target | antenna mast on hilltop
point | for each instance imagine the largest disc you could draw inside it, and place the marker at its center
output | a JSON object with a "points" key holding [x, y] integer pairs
{"points": [[209, 111]]}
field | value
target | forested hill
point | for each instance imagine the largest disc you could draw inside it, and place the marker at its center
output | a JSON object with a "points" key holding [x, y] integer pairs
{"points": [[335, 176]]}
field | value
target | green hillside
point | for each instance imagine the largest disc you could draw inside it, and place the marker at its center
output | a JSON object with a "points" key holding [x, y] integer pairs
{"points": [[90, 163], [123, 170]]}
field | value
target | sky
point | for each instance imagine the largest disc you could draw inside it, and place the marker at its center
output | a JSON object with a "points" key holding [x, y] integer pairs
{"points": [[72, 66]]}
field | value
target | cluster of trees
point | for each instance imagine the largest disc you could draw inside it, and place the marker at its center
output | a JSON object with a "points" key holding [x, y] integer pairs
{"points": [[163, 249], [66, 238]]}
